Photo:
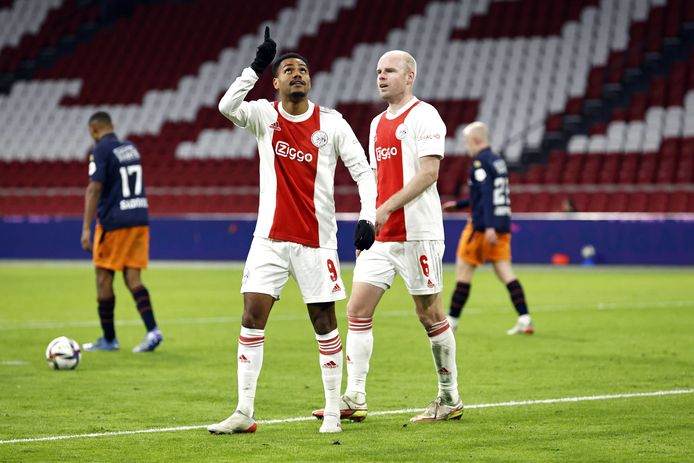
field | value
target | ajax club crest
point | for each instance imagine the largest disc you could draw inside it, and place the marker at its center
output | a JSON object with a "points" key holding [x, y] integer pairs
{"points": [[319, 139], [401, 132]]}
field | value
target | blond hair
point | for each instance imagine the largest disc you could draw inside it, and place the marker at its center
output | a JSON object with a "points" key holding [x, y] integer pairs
{"points": [[477, 130]]}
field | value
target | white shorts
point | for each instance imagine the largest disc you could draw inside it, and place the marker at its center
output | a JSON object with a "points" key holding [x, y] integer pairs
{"points": [[419, 263], [316, 270]]}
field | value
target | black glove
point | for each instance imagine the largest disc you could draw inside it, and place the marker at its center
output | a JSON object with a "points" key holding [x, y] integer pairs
{"points": [[364, 235], [265, 53]]}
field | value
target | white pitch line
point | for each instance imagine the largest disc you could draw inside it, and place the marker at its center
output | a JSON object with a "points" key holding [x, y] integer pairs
{"points": [[12, 363], [385, 412]]}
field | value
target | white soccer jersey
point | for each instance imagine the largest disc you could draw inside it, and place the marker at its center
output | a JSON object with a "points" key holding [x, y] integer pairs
{"points": [[396, 142], [298, 155]]}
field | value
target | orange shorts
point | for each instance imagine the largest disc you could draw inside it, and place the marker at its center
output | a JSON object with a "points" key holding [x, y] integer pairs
{"points": [[474, 249], [125, 247]]}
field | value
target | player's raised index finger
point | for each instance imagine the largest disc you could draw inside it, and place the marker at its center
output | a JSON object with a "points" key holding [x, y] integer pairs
{"points": [[267, 32]]}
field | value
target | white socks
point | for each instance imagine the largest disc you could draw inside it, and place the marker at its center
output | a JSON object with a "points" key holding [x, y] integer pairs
{"points": [[330, 349], [250, 361], [443, 349], [453, 321], [360, 345]]}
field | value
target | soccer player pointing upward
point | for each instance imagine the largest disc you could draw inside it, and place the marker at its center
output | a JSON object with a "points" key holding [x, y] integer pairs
{"points": [[299, 144]]}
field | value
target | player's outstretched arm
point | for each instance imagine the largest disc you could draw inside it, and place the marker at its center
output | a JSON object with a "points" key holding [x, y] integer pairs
{"points": [[452, 206], [232, 104], [264, 54]]}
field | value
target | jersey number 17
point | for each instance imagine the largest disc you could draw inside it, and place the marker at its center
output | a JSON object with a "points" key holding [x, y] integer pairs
{"points": [[125, 173]]}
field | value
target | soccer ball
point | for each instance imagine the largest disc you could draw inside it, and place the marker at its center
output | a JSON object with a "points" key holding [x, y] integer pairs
{"points": [[63, 353]]}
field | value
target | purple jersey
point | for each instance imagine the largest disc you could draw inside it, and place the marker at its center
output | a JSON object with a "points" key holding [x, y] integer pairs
{"points": [[489, 193], [123, 202]]}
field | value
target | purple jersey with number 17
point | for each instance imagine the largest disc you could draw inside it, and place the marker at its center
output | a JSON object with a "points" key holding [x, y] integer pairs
{"points": [[123, 202]]}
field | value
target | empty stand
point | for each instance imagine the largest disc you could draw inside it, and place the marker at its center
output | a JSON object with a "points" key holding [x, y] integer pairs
{"points": [[601, 92]]}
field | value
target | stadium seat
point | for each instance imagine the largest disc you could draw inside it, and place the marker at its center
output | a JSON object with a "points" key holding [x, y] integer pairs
{"points": [[520, 202], [628, 168], [596, 202], [580, 201], [665, 171], [637, 202], [657, 202], [647, 168], [685, 171], [541, 71], [617, 202], [677, 202], [592, 168]]}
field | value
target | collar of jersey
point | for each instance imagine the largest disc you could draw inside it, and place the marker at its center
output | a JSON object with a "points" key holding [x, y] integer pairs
{"points": [[408, 105], [108, 136], [300, 117], [484, 151]]}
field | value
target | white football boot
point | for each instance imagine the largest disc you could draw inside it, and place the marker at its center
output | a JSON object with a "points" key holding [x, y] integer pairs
{"points": [[237, 423], [524, 325]]}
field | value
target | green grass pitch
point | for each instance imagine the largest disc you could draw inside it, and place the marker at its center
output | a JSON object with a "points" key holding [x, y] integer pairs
{"points": [[599, 332]]}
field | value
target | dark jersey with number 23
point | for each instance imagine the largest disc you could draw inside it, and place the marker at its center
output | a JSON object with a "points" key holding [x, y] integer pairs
{"points": [[489, 193]]}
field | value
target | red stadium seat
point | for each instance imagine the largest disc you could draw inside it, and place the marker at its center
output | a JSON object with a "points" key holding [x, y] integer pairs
{"points": [[628, 168], [520, 202], [670, 148], [610, 166], [597, 202], [685, 171], [687, 150], [516, 178], [647, 168], [677, 201], [592, 168], [617, 202], [657, 202], [572, 168], [665, 171], [536, 174], [165, 65], [541, 203], [636, 202], [581, 201]]}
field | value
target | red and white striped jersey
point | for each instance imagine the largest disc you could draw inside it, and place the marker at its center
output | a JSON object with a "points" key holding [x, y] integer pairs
{"points": [[298, 155], [396, 142]]}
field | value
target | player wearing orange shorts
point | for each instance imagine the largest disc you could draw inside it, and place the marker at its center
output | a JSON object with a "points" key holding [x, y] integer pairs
{"points": [[116, 196], [487, 235]]}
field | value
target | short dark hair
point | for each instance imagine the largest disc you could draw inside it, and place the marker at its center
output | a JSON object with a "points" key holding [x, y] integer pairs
{"points": [[278, 61], [101, 118]]}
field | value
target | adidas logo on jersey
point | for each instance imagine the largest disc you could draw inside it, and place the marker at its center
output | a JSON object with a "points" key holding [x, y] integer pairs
{"points": [[330, 364], [430, 284], [243, 359], [337, 288], [275, 126]]}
